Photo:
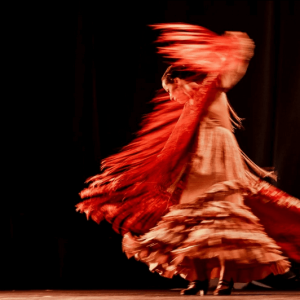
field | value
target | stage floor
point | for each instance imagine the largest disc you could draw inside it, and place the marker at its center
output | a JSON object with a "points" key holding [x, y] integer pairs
{"points": [[141, 294]]}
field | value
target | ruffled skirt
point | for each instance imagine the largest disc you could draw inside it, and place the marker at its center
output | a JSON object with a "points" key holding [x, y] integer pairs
{"points": [[211, 222]]}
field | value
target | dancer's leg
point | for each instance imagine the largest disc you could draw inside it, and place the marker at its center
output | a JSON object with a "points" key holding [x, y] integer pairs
{"points": [[225, 284], [222, 268], [200, 284], [200, 268], [226, 270]]}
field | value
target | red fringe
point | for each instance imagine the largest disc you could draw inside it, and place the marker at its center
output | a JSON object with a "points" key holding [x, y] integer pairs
{"points": [[279, 213], [131, 193], [202, 50]]}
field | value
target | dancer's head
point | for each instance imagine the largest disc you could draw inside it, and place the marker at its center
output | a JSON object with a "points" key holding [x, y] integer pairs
{"points": [[181, 83]]}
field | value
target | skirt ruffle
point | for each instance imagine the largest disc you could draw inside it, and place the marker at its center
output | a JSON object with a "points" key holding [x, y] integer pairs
{"points": [[208, 230]]}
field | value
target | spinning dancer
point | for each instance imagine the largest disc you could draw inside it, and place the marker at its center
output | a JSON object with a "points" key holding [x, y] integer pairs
{"points": [[178, 192]]}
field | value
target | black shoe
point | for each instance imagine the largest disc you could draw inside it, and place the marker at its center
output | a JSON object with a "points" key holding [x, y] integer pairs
{"points": [[196, 287], [224, 288]]}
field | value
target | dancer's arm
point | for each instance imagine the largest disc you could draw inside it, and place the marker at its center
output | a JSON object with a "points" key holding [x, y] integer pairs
{"points": [[237, 69]]}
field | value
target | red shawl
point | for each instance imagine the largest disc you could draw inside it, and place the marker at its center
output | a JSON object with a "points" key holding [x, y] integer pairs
{"points": [[132, 191]]}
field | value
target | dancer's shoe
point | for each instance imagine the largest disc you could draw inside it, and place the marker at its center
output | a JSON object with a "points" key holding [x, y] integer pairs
{"points": [[196, 287], [224, 288]]}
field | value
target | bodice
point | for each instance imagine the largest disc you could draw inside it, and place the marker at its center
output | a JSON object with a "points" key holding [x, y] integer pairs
{"points": [[218, 112]]}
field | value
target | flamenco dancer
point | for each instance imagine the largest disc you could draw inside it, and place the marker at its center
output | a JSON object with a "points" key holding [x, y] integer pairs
{"points": [[184, 196]]}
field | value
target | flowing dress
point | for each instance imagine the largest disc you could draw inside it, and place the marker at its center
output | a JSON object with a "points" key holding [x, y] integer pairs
{"points": [[183, 194], [211, 221]]}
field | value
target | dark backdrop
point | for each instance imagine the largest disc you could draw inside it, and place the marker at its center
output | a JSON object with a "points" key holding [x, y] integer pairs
{"points": [[84, 72]]}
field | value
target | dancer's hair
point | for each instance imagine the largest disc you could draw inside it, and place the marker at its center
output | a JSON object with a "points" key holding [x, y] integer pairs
{"points": [[183, 73]]}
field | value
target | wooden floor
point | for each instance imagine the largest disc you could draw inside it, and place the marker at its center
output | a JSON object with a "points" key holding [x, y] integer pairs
{"points": [[142, 295]]}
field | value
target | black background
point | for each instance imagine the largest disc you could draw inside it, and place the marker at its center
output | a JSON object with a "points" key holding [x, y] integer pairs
{"points": [[83, 73]]}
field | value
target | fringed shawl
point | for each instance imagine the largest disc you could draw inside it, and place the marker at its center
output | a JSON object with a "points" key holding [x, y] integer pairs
{"points": [[132, 192]]}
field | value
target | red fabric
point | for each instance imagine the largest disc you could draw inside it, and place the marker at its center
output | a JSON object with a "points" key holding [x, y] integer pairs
{"points": [[279, 213], [202, 50], [131, 192]]}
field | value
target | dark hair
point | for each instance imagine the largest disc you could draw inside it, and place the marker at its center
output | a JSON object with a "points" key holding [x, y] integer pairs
{"points": [[183, 73]]}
